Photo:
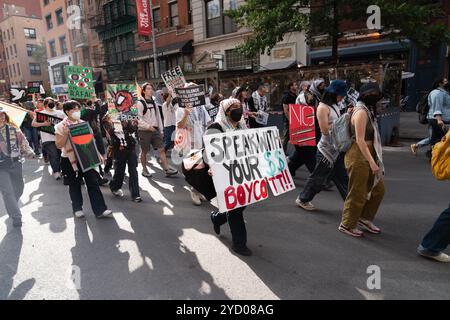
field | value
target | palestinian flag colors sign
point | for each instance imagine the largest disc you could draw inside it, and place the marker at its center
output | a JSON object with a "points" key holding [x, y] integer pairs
{"points": [[124, 97], [80, 82], [42, 117], [83, 143]]}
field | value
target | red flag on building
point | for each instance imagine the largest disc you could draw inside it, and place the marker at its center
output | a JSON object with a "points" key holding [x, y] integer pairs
{"points": [[144, 17]]}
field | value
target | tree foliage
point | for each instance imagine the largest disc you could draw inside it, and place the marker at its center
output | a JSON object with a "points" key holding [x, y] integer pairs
{"points": [[270, 20]]}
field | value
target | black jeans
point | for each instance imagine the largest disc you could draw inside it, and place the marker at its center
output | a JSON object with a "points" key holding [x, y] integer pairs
{"points": [[323, 173], [236, 222], [302, 156], [53, 155], [286, 137], [437, 131], [74, 181], [438, 238], [122, 159]]}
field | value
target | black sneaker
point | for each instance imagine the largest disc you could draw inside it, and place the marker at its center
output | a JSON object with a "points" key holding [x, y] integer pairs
{"points": [[103, 181], [216, 226], [243, 251], [137, 199]]}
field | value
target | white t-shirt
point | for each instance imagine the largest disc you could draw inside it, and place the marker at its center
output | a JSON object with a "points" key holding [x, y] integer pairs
{"points": [[169, 113], [59, 129], [196, 124], [47, 137]]}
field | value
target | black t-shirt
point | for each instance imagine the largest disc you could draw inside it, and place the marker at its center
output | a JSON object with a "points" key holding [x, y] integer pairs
{"points": [[288, 98]]}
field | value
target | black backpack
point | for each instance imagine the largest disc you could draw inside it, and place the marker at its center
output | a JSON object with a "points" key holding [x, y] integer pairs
{"points": [[423, 108]]}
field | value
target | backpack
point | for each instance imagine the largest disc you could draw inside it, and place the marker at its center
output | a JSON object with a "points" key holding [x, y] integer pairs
{"points": [[422, 109], [440, 160], [340, 133]]}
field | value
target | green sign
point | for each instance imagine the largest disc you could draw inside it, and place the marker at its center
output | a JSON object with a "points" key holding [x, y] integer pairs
{"points": [[83, 143], [80, 82]]}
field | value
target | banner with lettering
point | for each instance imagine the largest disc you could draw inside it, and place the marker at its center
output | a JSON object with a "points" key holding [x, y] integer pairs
{"points": [[174, 79], [124, 97], [80, 82], [144, 18], [34, 87], [245, 165], [302, 128], [42, 117], [83, 142], [194, 96]]}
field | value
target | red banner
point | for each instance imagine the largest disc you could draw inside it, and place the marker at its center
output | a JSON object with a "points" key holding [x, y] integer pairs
{"points": [[302, 125], [144, 17]]}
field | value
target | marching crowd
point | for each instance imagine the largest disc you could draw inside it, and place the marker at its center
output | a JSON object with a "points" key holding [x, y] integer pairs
{"points": [[165, 127]]}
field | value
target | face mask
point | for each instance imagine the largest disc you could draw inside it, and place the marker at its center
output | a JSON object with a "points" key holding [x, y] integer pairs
{"points": [[51, 105], [236, 114], [76, 115]]}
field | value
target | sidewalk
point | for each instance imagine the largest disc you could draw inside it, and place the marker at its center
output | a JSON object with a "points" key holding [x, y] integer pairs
{"points": [[410, 128]]}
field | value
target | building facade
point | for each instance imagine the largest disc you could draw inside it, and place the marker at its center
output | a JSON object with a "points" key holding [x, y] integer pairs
{"points": [[57, 41], [21, 36]]}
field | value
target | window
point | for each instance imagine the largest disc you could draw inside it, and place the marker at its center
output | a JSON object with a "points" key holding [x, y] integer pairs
{"points": [[63, 44], [59, 17], [173, 10], [35, 68], [235, 60], [30, 33], [46, 2], [8, 34], [18, 69], [30, 49], [52, 46], [217, 23], [48, 20], [14, 69], [12, 33], [7, 53], [189, 6], [157, 18], [15, 51], [59, 76]]}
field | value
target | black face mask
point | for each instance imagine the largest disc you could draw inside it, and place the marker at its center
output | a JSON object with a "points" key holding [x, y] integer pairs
{"points": [[51, 105], [236, 114]]}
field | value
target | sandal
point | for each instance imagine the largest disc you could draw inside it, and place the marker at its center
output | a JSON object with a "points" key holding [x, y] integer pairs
{"points": [[351, 232], [369, 226]]}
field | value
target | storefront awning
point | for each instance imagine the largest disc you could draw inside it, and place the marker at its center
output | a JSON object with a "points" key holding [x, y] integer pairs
{"points": [[174, 48], [280, 65]]}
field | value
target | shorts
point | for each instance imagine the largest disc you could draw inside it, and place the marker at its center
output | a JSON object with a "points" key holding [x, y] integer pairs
{"points": [[147, 138]]}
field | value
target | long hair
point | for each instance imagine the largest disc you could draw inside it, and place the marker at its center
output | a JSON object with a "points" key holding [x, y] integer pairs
{"points": [[437, 83], [329, 98], [8, 120]]}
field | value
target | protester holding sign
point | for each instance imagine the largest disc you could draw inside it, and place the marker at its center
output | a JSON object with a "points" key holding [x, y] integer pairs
{"points": [[151, 131], [170, 121], [192, 123], [13, 146], [230, 119], [259, 105], [241, 93], [289, 97], [71, 168], [329, 162], [48, 139]]}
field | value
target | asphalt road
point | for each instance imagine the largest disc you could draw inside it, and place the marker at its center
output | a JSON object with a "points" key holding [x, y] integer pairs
{"points": [[165, 248]]}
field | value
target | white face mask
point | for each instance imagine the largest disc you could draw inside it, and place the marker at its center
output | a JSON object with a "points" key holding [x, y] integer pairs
{"points": [[76, 115]]}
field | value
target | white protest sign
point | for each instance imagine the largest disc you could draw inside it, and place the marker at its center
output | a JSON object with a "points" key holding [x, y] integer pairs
{"points": [[245, 164], [174, 79], [262, 117]]}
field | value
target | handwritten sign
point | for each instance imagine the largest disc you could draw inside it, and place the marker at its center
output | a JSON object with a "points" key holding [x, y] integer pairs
{"points": [[212, 111], [42, 117], [194, 96], [302, 128], [80, 82], [124, 98], [174, 79], [245, 165]]}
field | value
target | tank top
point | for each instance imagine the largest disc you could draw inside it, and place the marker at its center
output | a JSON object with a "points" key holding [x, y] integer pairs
{"points": [[370, 132]]}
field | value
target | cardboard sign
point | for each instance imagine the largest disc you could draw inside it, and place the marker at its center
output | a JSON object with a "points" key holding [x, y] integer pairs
{"points": [[302, 127], [262, 117], [83, 142], [18, 95], [245, 165], [124, 97], [194, 96], [212, 111], [42, 117], [174, 79], [34, 87], [15, 113], [80, 82]]}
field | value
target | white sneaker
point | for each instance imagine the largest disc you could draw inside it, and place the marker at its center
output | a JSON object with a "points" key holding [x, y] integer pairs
{"points": [[441, 257], [195, 198], [105, 214], [171, 172], [57, 176], [146, 174], [308, 206], [118, 193], [79, 214]]}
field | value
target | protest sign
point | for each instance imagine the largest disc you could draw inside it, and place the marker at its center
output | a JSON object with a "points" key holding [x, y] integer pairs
{"points": [[15, 113], [352, 96], [302, 128], [34, 87], [194, 96], [83, 142], [262, 117], [80, 82], [124, 97], [42, 117], [174, 79], [245, 165], [18, 95], [212, 111]]}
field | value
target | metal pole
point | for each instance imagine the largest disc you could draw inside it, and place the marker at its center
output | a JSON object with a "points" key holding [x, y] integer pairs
{"points": [[155, 55]]}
